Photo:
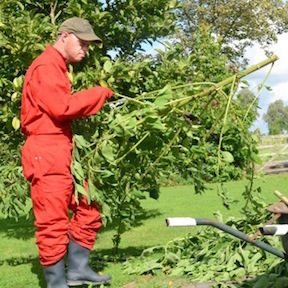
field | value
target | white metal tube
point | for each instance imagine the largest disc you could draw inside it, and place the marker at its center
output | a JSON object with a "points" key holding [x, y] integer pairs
{"points": [[280, 229], [180, 221]]}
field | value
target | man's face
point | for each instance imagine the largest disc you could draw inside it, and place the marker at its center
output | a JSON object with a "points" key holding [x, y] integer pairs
{"points": [[75, 48]]}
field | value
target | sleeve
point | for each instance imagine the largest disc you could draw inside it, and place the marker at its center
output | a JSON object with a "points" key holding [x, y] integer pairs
{"points": [[53, 94]]}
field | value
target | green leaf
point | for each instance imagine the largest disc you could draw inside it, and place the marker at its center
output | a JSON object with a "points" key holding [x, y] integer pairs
{"points": [[262, 282], [227, 157], [138, 194], [172, 257], [163, 96], [281, 282], [252, 262], [256, 158], [239, 272], [161, 101], [155, 123], [178, 271], [150, 266], [105, 212], [107, 151], [166, 90], [131, 123], [16, 123], [80, 141], [103, 83], [106, 173], [107, 66], [80, 189], [78, 170]]}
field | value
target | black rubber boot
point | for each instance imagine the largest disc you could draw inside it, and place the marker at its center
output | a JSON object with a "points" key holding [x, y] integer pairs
{"points": [[79, 272], [55, 275]]}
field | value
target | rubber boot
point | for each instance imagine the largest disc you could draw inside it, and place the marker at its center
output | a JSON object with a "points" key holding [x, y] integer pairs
{"points": [[79, 272], [55, 275]]}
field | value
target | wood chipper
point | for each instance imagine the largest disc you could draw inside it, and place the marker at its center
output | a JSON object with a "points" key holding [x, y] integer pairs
{"points": [[279, 213]]}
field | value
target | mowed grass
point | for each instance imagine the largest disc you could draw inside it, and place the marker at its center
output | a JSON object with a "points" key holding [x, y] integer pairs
{"points": [[19, 264]]}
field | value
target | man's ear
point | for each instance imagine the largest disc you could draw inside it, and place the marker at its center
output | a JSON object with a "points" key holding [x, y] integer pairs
{"points": [[64, 36]]}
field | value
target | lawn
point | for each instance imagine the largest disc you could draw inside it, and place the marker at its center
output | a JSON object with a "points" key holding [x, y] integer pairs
{"points": [[19, 265]]}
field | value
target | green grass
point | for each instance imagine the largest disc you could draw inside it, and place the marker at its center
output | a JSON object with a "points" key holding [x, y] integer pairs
{"points": [[19, 264]]}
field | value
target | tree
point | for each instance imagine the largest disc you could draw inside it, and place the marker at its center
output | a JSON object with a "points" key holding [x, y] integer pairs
{"points": [[235, 24], [247, 100], [159, 121], [276, 117], [27, 27]]}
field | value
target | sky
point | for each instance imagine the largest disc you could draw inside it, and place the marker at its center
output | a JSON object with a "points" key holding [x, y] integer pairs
{"points": [[278, 79]]}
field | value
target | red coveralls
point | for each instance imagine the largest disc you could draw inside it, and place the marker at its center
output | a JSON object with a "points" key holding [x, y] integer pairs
{"points": [[47, 110]]}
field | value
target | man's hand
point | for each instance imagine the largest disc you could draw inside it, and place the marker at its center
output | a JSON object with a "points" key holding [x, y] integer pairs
{"points": [[109, 93]]}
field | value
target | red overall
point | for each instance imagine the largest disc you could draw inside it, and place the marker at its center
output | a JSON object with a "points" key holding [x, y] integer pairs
{"points": [[47, 110]]}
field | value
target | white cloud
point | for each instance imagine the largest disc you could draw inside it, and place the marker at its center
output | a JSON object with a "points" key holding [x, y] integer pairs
{"points": [[255, 55], [280, 92]]}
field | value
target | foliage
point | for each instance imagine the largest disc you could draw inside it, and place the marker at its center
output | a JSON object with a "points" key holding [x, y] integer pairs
{"points": [[172, 127], [26, 28], [276, 118], [212, 255], [13, 193]]}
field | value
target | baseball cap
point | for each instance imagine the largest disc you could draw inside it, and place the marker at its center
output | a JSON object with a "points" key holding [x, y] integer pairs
{"points": [[81, 28]]}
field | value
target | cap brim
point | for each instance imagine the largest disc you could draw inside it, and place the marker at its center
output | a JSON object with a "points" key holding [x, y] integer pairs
{"points": [[89, 37]]}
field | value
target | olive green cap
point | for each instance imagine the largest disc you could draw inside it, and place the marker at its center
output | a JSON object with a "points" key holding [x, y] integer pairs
{"points": [[81, 28]]}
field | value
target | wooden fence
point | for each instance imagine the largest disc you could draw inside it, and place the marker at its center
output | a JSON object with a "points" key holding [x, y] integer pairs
{"points": [[273, 151]]}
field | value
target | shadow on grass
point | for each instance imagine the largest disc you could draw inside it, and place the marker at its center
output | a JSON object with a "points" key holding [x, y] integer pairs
{"points": [[98, 263], [22, 229], [108, 255], [139, 219], [34, 264]]}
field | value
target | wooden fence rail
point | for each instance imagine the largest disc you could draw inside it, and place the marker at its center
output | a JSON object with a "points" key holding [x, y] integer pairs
{"points": [[273, 150]]}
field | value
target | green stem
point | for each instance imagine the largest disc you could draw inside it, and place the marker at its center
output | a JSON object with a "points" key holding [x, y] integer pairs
{"points": [[259, 92], [225, 82], [175, 88], [224, 123], [129, 98], [163, 153], [133, 148]]}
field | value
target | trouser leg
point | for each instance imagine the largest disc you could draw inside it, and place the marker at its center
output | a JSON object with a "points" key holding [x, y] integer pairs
{"points": [[46, 163], [85, 222], [52, 223]]}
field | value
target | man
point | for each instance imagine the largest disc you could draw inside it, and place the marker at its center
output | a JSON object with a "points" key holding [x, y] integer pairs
{"points": [[47, 110]]}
